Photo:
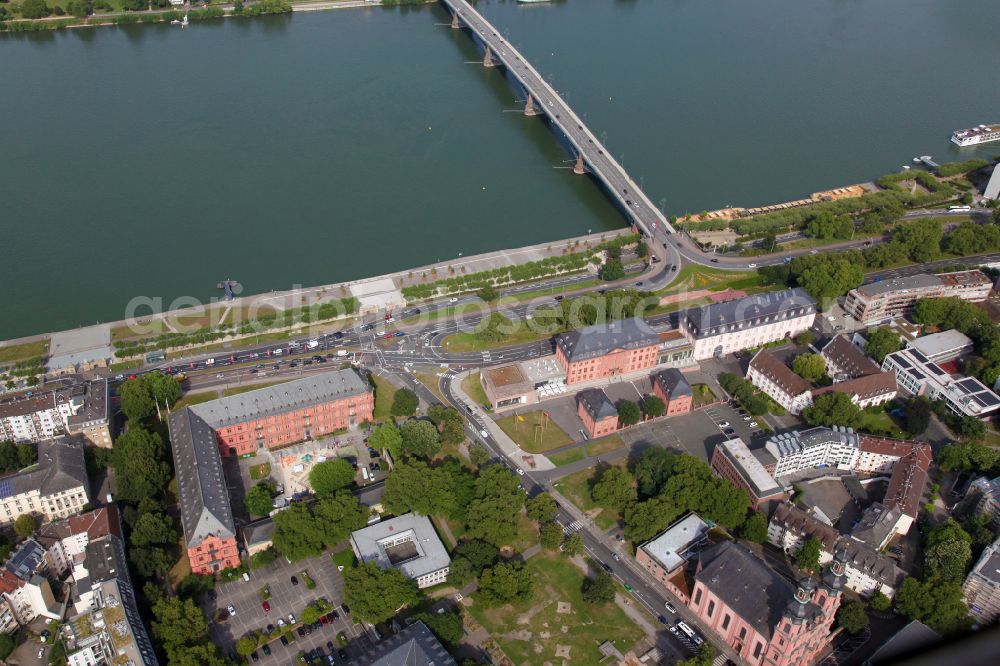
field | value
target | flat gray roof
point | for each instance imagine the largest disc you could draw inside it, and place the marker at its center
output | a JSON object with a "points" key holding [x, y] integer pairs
{"points": [[670, 548], [918, 281], [944, 342], [431, 555], [753, 472]]}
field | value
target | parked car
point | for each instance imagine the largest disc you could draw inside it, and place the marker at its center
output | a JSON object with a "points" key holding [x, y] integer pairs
{"points": [[724, 424], [266, 606], [670, 607], [291, 618], [662, 619], [266, 650], [232, 610], [295, 581], [284, 639]]}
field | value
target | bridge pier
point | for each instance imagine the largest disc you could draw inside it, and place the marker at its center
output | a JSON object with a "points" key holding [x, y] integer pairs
{"points": [[455, 25], [529, 107], [488, 58], [579, 168]]}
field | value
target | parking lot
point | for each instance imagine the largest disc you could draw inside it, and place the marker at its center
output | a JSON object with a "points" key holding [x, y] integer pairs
{"points": [[285, 598]]}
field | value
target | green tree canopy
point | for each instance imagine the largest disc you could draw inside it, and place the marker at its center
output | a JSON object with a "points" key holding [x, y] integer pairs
{"points": [[628, 413], [809, 367], [755, 528], [807, 558], [488, 293], [542, 508], [302, 531], [387, 438], [653, 470], [600, 589], [25, 525], [376, 594], [615, 489], [140, 396], [550, 535], [921, 238], [613, 270], [504, 583], [493, 515], [573, 544], [918, 415], [259, 500], [880, 603], [851, 616], [936, 603], [329, 476], [404, 403], [420, 439], [26, 455], [833, 408], [448, 627], [882, 342], [654, 406], [140, 461], [34, 9], [450, 424]]}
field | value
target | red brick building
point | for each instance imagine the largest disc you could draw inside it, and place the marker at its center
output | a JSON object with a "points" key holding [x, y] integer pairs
{"points": [[673, 389], [605, 350], [599, 416], [288, 413], [270, 417]]}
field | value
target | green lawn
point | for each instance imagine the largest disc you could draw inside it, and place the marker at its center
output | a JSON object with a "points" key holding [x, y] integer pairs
{"points": [[567, 457], [881, 422], [694, 276], [606, 445], [466, 341], [189, 399], [474, 389], [430, 380], [384, 394], [24, 352], [530, 631], [534, 432], [702, 394], [575, 487]]}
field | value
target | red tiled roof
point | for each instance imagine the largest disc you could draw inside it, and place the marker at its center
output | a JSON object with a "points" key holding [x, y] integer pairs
{"points": [[97, 523], [882, 383], [885, 446], [768, 365], [909, 477]]}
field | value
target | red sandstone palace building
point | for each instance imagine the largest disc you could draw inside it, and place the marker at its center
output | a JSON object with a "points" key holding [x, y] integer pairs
{"points": [[266, 418], [605, 350]]}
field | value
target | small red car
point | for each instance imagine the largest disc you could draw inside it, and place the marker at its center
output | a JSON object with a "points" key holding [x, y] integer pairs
{"points": [[324, 620], [266, 606]]}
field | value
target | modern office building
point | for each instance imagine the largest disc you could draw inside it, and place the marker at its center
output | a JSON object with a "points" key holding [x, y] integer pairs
{"points": [[795, 451], [759, 614], [982, 586], [607, 350], [724, 328], [882, 301], [918, 375], [507, 386], [665, 554], [942, 347], [81, 409], [676, 351], [733, 461], [408, 543], [56, 487], [599, 415]]}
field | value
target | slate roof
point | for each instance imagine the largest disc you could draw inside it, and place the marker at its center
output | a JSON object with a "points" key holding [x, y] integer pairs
{"points": [[714, 319], [597, 403], [282, 398], [414, 645], [848, 358], [201, 484], [673, 382], [61, 466], [600, 339], [105, 560], [768, 365], [744, 583]]}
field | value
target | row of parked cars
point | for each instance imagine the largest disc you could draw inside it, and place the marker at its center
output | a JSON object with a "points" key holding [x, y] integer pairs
{"points": [[316, 655]]}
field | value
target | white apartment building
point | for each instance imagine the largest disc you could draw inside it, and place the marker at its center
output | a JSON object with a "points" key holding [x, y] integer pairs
{"points": [[55, 488], [724, 328], [80, 409], [814, 448], [918, 375]]}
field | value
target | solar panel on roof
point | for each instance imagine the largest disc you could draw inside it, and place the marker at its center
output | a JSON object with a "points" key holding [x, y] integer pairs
{"points": [[969, 384], [920, 357], [916, 373], [990, 398], [903, 361], [980, 398], [937, 370], [6, 488]]}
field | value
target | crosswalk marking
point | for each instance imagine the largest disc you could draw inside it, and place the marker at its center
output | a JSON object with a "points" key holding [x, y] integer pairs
{"points": [[575, 526]]}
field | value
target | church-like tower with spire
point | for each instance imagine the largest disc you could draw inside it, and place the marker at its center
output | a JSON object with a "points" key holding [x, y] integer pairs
{"points": [[758, 613]]}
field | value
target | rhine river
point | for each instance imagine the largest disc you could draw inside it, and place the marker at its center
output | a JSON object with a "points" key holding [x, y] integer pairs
{"points": [[328, 146]]}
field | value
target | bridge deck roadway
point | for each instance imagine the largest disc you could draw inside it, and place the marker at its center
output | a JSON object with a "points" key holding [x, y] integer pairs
{"points": [[596, 158]]}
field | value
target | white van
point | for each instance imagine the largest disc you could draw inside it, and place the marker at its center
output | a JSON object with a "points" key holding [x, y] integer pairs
{"points": [[278, 352], [312, 344], [246, 577]]}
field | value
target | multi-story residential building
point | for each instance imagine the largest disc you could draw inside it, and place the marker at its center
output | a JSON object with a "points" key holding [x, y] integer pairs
{"points": [[724, 328], [845, 360], [599, 415], [288, 413], [65, 541], [982, 586], [24, 587], [673, 388], [878, 524], [882, 301], [984, 496], [206, 515], [918, 375], [759, 614], [56, 487], [942, 347], [408, 543], [81, 409], [664, 555], [817, 447], [793, 393], [908, 483], [607, 350], [879, 455], [733, 461], [867, 571]]}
